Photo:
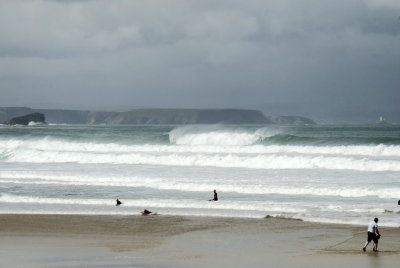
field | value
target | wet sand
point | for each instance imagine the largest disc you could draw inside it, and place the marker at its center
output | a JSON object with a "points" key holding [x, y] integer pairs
{"points": [[175, 241]]}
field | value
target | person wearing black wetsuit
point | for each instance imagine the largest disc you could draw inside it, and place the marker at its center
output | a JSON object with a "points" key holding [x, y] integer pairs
{"points": [[215, 196], [146, 212]]}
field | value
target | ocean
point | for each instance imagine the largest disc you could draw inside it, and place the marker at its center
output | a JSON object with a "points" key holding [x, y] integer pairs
{"points": [[320, 173]]}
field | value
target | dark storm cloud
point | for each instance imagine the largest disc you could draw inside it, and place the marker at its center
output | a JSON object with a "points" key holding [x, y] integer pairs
{"points": [[331, 59]]}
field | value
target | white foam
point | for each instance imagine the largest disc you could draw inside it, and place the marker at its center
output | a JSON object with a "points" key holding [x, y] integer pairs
{"points": [[253, 187], [262, 161], [228, 146], [33, 123], [155, 203], [343, 220], [213, 135], [267, 206], [305, 211]]}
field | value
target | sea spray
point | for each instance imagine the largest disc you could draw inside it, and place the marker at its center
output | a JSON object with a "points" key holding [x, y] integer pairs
{"points": [[213, 135]]}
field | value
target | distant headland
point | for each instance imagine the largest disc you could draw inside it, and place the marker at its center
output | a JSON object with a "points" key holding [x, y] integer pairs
{"points": [[27, 119], [154, 116]]}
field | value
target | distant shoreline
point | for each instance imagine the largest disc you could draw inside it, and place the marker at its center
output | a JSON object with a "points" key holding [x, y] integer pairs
{"points": [[154, 116]]}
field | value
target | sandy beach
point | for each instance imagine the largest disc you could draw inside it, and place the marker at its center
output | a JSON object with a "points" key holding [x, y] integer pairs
{"points": [[175, 241]]}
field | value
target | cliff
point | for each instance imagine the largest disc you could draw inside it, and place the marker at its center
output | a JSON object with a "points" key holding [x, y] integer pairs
{"points": [[155, 116], [26, 119]]}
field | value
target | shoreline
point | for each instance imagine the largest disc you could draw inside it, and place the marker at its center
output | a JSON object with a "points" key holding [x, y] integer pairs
{"points": [[188, 216], [186, 241]]}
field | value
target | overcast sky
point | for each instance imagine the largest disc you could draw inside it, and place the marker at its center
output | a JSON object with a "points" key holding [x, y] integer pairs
{"points": [[329, 60]]}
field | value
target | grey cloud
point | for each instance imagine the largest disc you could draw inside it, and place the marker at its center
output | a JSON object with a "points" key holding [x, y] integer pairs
{"points": [[307, 57]]}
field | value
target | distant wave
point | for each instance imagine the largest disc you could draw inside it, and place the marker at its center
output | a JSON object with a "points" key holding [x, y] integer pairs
{"points": [[328, 141], [205, 135], [215, 135], [58, 124], [288, 139], [239, 136], [33, 123]]}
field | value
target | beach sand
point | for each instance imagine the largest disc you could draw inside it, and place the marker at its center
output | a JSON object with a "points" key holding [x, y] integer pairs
{"points": [[175, 241]]}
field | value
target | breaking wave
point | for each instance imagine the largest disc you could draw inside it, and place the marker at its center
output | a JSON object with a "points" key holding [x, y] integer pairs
{"points": [[240, 136], [355, 157], [266, 161]]}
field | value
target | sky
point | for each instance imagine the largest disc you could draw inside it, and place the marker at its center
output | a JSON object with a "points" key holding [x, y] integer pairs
{"points": [[330, 60]]}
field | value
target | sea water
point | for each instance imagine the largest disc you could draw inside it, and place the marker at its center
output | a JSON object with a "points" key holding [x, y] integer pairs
{"points": [[321, 173]]}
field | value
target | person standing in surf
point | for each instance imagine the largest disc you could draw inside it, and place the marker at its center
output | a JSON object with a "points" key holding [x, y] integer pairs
{"points": [[373, 234], [215, 196]]}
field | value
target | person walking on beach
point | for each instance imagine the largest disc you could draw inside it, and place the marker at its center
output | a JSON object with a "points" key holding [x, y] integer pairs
{"points": [[215, 196], [373, 234]]}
